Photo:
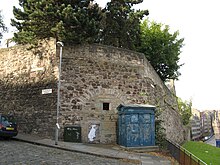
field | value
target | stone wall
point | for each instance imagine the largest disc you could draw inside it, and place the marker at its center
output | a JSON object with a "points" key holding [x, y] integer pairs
{"points": [[24, 73], [95, 74], [91, 75]]}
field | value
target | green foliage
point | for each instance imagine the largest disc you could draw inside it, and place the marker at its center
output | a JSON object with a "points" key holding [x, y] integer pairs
{"points": [[185, 110], [207, 153], [161, 48], [75, 21], [82, 21], [121, 24], [160, 134], [3, 28]]}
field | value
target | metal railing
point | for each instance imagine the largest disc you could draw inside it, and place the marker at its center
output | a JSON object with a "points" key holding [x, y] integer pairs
{"points": [[183, 156]]}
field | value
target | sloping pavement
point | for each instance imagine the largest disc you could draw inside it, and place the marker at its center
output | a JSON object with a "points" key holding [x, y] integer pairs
{"points": [[108, 151], [211, 141]]}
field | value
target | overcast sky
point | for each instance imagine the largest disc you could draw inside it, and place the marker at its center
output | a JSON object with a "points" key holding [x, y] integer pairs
{"points": [[198, 23]]}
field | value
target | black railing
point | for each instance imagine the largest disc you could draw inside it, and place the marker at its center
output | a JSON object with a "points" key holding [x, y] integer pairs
{"points": [[183, 156]]}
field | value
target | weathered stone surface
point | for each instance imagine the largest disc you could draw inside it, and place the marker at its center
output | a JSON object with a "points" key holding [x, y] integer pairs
{"points": [[91, 75], [24, 74], [102, 74]]}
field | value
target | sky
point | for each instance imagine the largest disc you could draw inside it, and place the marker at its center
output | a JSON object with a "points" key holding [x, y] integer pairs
{"points": [[197, 22]]}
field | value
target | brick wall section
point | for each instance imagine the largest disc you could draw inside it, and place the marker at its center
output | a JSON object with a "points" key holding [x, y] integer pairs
{"points": [[91, 75]]}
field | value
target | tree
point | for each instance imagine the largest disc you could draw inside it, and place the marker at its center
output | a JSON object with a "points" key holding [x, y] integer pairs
{"points": [[121, 25], [185, 109], [3, 28], [70, 21], [161, 48]]}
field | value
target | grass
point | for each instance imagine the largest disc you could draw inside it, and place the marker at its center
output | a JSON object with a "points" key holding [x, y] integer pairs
{"points": [[207, 153]]}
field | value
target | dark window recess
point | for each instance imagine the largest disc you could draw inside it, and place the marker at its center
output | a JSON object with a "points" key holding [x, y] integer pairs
{"points": [[106, 106]]}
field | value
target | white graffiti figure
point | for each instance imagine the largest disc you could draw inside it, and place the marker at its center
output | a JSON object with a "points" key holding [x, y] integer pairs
{"points": [[91, 134]]}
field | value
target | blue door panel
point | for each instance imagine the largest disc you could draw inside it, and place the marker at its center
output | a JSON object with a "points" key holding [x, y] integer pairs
{"points": [[136, 127], [147, 134], [134, 118]]}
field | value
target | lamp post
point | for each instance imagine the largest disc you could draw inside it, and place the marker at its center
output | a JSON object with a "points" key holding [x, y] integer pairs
{"points": [[60, 44]]}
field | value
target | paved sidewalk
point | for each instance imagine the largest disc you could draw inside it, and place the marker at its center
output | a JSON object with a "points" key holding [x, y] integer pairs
{"points": [[108, 151], [211, 141]]}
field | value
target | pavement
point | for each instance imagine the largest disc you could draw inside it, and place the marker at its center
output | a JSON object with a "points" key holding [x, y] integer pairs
{"points": [[211, 141], [107, 151]]}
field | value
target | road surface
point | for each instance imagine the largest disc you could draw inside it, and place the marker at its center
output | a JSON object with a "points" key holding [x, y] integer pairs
{"points": [[21, 153]]}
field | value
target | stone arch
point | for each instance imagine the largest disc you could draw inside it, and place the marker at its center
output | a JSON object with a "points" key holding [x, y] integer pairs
{"points": [[94, 115]]}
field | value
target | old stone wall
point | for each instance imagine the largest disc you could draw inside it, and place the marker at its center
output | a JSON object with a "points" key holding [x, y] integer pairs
{"points": [[95, 80], [24, 73], [95, 74]]}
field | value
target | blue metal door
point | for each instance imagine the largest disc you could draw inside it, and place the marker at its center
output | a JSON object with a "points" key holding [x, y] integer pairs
{"points": [[133, 130], [136, 126], [147, 129], [139, 130]]}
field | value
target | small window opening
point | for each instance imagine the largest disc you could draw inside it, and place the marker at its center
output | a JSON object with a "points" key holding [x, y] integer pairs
{"points": [[106, 106]]}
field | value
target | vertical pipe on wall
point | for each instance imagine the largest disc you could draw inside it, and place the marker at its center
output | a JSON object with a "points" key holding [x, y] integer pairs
{"points": [[58, 95]]}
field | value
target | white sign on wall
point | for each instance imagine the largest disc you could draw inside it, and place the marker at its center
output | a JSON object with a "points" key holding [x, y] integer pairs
{"points": [[46, 91]]}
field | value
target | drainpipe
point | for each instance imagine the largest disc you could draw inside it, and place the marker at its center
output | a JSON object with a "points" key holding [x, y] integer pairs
{"points": [[60, 44]]}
